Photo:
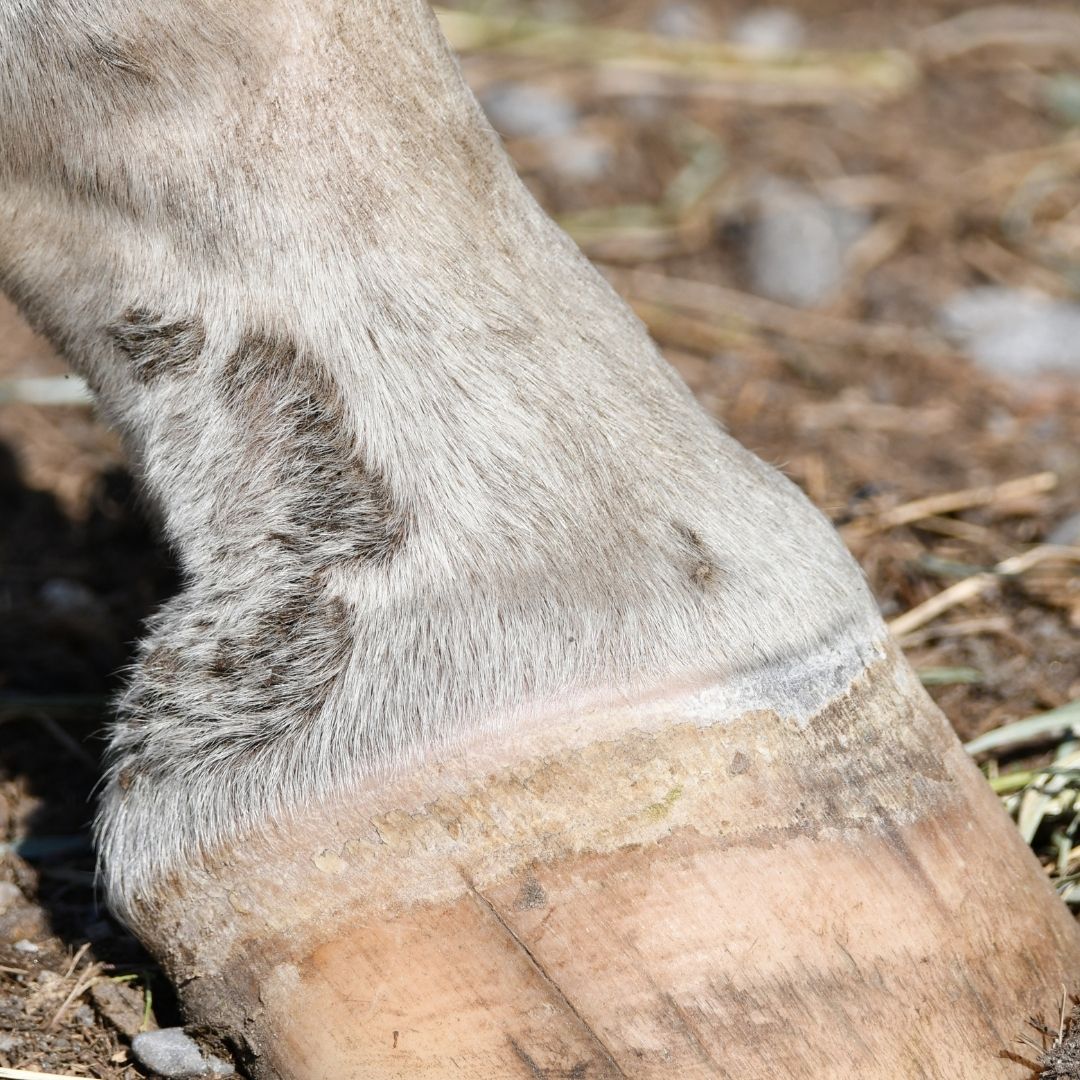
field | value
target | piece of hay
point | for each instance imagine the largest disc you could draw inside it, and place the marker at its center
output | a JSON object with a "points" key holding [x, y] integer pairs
{"points": [[1062, 1060]]}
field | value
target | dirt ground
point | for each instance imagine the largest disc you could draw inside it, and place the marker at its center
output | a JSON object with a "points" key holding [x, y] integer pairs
{"points": [[946, 126]]}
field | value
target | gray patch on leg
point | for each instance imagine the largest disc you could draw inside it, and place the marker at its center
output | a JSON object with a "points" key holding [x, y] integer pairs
{"points": [[293, 422], [158, 348], [238, 668], [228, 692]]}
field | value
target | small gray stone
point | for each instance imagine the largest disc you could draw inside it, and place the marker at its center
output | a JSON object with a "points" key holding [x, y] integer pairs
{"points": [[528, 112], [768, 30], [173, 1054], [9, 1043], [682, 19], [584, 158], [1061, 93], [798, 244], [1015, 333], [26, 946], [1066, 533]]}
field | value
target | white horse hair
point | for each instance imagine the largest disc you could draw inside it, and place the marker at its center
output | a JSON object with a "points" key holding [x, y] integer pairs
{"points": [[426, 476]]}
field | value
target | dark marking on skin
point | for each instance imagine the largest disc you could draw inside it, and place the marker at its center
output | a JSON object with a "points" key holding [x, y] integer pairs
{"points": [[163, 662], [702, 570], [740, 763], [241, 671], [111, 54], [284, 540], [295, 428], [157, 348], [273, 670], [531, 896], [224, 663], [259, 361]]}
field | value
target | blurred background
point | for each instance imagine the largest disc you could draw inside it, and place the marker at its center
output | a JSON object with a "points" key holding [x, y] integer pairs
{"points": [[854, 228]]}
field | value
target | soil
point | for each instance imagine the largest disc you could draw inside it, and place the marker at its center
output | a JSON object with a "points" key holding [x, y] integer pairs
{"points": [[969, 176]]}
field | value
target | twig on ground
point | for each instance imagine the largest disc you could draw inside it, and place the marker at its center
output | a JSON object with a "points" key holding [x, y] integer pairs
{"points": [[715, 303], [957, 529], [75, 959], [975, 586], [991, 625], [949, 676], [950, 502], [91, 975], [1052, 724], [697, 335], [853, 409], [1015, 27], [816, 75]]}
